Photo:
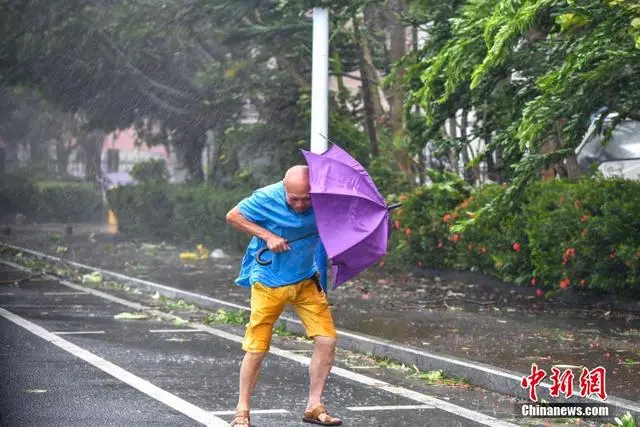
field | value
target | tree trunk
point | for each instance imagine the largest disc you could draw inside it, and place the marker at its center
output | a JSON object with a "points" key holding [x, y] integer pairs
{"points": [[92, 147], [193, 148], [62, 160], [368, 89], [343, 94], [396, 96], [571, 165], [453, 155], [468, 173], [370, 23], [215, 156], [3, 160], [549, 146]]}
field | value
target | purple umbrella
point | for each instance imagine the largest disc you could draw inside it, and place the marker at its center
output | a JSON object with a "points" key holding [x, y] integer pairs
{"points": [[352, 216]]}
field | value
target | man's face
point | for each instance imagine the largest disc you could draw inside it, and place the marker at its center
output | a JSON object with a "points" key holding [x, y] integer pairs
{"points": [[299, 202]]}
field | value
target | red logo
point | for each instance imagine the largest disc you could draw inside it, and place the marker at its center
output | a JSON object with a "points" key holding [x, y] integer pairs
{"points": [[591, 382]]}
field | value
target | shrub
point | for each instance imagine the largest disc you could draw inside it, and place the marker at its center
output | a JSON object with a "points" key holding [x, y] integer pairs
{"points": [[152, 171], [189, 214], [586, 234], [200, 216], [143, 210], [67, 201], [16, 195], [563, 234], [51, 201], [422, 225]]}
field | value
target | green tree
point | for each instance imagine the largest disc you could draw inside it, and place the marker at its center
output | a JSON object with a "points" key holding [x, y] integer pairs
{"points": [[534, 72]]}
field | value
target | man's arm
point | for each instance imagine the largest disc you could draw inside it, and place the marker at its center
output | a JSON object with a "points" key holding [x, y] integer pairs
{"points": [[275, 243]]}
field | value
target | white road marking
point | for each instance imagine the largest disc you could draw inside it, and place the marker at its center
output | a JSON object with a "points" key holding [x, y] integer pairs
{"points": [[66, 293], [253, 411], [77, 332], [305, 361], [171, 331], [387, 408], [363, 379], [2, 294], [194, 412]]}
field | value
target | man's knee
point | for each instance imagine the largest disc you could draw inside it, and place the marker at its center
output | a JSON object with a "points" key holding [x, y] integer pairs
{"points": [[255, 356], [326, 345]]}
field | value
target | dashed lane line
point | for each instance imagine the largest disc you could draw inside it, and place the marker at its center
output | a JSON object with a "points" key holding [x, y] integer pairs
{"points": [[388, 408], [77, 332], [305, 361], [253, 412], [192, 411]]}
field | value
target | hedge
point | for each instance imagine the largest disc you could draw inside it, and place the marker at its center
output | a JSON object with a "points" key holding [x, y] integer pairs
{"points": [[50, 201], [194, 214], [563, 234]]}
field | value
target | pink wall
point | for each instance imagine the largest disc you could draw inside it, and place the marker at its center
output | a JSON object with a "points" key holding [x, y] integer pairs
{"points": [[124, 140]]}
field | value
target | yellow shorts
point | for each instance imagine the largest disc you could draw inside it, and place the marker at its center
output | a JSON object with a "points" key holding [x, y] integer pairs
{"points": [[308, 301]]}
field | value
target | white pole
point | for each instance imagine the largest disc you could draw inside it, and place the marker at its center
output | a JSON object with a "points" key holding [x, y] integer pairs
{"points": [[320, 81]]}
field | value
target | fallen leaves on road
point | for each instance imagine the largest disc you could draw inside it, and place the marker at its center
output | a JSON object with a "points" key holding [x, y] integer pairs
{"points": [[130, 316], [92, 278]]}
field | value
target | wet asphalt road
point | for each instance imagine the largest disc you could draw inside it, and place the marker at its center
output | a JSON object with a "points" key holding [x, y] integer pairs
{"points": [[66, 361]]}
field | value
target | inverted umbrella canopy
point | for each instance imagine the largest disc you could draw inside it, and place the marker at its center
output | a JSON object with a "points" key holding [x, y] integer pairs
{"points": [[351, 214]]}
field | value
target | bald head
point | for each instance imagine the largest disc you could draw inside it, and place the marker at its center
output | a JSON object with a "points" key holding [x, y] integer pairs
{"points": [[296, 185]]}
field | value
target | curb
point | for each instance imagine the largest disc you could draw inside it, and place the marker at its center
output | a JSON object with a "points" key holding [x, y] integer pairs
{"points": [[481, 375]]}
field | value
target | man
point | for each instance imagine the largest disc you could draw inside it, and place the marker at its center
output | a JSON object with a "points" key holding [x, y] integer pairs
{"points": [[273, 215]]}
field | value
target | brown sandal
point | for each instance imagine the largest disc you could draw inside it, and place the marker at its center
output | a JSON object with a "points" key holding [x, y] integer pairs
{"points": [[313, 417], [241, 419]]}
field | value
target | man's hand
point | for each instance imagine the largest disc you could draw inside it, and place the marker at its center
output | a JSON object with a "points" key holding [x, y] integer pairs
{"points": [[274, 242], [277, 244]]}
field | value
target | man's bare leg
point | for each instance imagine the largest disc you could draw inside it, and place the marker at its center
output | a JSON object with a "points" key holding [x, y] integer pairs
{"points": [[319, 368], [249, 372]]}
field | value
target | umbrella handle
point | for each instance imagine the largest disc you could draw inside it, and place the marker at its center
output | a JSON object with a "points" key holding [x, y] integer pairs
{"points": [[263, 262], [394, 206]]}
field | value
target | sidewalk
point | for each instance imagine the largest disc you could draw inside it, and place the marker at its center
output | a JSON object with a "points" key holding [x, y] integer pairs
{"points": [[458, 315]]}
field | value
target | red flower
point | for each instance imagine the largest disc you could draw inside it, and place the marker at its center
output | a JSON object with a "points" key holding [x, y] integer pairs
{"points": [[564, 283], [584, 218], [407, 231], [516, 247], [455, 237], [446, 218], [583, 282], [534, 281], [568, 254], [539, 293]]}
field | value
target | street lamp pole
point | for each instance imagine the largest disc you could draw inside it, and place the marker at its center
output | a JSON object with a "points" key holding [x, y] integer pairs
{"points": [[320, 81], [320, 107]]}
